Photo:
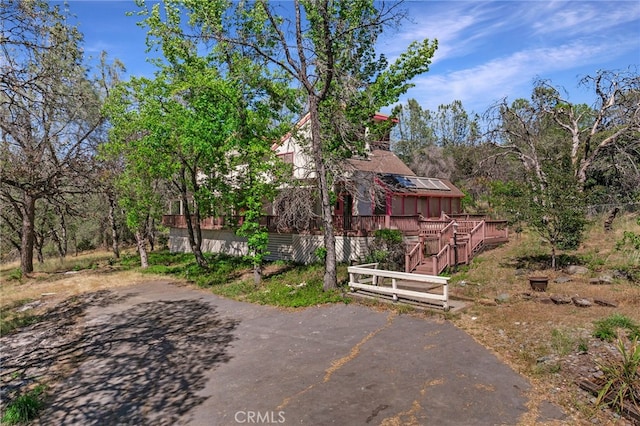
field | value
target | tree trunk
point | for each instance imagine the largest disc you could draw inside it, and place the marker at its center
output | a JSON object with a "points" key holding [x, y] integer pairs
{"points": [[608, 224], [152, 234], [114, 228], [195, 243], [330, 268], [64, 237], [58, 240], [257, 274], [39, 243], [553, 257], [142, 250], [28, 234]]}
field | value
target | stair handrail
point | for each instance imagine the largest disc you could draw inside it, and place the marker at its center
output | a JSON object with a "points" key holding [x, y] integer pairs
{"points": [[476, 237], [441, 260], [414, 257], [445, 235]]}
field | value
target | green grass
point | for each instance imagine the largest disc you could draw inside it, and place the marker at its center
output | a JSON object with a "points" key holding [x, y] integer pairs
{"points": [[11, 319], [622, 378], [289, 285], [25, 407], [606, 328], [296, 286]]}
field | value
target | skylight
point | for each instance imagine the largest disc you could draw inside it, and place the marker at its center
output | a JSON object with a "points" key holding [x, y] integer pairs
{"points": [[421, 183]]}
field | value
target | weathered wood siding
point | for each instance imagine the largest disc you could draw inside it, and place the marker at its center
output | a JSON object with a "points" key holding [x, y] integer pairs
{"points": [[291, 247]]}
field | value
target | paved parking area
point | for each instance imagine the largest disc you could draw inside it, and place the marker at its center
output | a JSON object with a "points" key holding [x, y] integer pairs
{"points": [[157, 353]]}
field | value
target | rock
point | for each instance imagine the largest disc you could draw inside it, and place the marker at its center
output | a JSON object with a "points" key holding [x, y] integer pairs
{"points": [[581, 302], [487, 302], [520, 272], [527, 296], [620, 274], [31, 305], [594, 281], [577, 270], [561, 280], [606, 279], [545, 301], [603, 302], [502, 298], [561, 300]]}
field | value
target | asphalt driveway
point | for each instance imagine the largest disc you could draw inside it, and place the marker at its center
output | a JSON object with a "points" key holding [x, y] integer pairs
{"points": [[160, 354]]}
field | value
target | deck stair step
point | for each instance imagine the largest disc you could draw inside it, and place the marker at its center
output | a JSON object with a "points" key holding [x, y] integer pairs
{"points": [[424, 268]]}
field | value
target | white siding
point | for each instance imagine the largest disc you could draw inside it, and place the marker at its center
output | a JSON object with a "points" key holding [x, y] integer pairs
{"points": [[291, 247], [302, 162]]}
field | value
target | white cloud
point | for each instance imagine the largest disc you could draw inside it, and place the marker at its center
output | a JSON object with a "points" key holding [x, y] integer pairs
{"points": [[510, 76], [571, 18]]}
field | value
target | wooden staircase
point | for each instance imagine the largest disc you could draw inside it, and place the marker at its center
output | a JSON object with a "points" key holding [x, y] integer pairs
{"points": [[443, 244]]}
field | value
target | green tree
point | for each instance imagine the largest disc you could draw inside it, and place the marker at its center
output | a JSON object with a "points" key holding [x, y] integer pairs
{"points": [[559, 216], [179, 127], [233, 103], [327, 47], [414, 131]]}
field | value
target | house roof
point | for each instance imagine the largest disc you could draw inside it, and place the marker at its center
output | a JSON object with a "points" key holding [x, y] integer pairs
{"points": [[381, 162], [420, 186]]}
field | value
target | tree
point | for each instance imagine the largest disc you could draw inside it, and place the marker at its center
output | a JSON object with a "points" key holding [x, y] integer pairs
{"points": [[614, 119], [327, 47], [211, 119], [414, 131], [49, 112], [548, 196], [176, 127]]}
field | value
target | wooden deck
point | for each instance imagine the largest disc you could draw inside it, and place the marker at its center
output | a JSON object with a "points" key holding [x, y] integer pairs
{"points": [[451, 242], [439, 244]]}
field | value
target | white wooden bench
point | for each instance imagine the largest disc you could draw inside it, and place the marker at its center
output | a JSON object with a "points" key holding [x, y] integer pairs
{"points": [[369, 278]]}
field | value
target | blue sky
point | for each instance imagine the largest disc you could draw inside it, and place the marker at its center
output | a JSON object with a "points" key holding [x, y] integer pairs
{"points": [[487, 50]]}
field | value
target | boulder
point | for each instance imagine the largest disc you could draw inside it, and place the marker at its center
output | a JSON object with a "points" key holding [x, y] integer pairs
{"points": [[604, 302], [577, 270], [581, 302], [606, 279], [502, 298], [561, 300]]}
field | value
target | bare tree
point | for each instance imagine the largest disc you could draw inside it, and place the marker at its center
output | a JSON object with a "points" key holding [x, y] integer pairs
{"points": [[49, 111], [614, 119]]}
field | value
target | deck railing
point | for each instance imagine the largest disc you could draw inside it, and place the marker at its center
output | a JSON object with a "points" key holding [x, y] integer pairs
{"points": [[435, 236], [340, 222], [414, 257], [441, 260], [370, 279]]}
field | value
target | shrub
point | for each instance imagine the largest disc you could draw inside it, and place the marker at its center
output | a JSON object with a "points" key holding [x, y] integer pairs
{"points": [[622, 378], [15, 275], [85, 244], [387, 249]]}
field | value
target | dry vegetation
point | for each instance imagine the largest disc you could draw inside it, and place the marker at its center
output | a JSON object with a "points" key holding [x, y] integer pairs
{"points": [[553, 345], [56, 280]]}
